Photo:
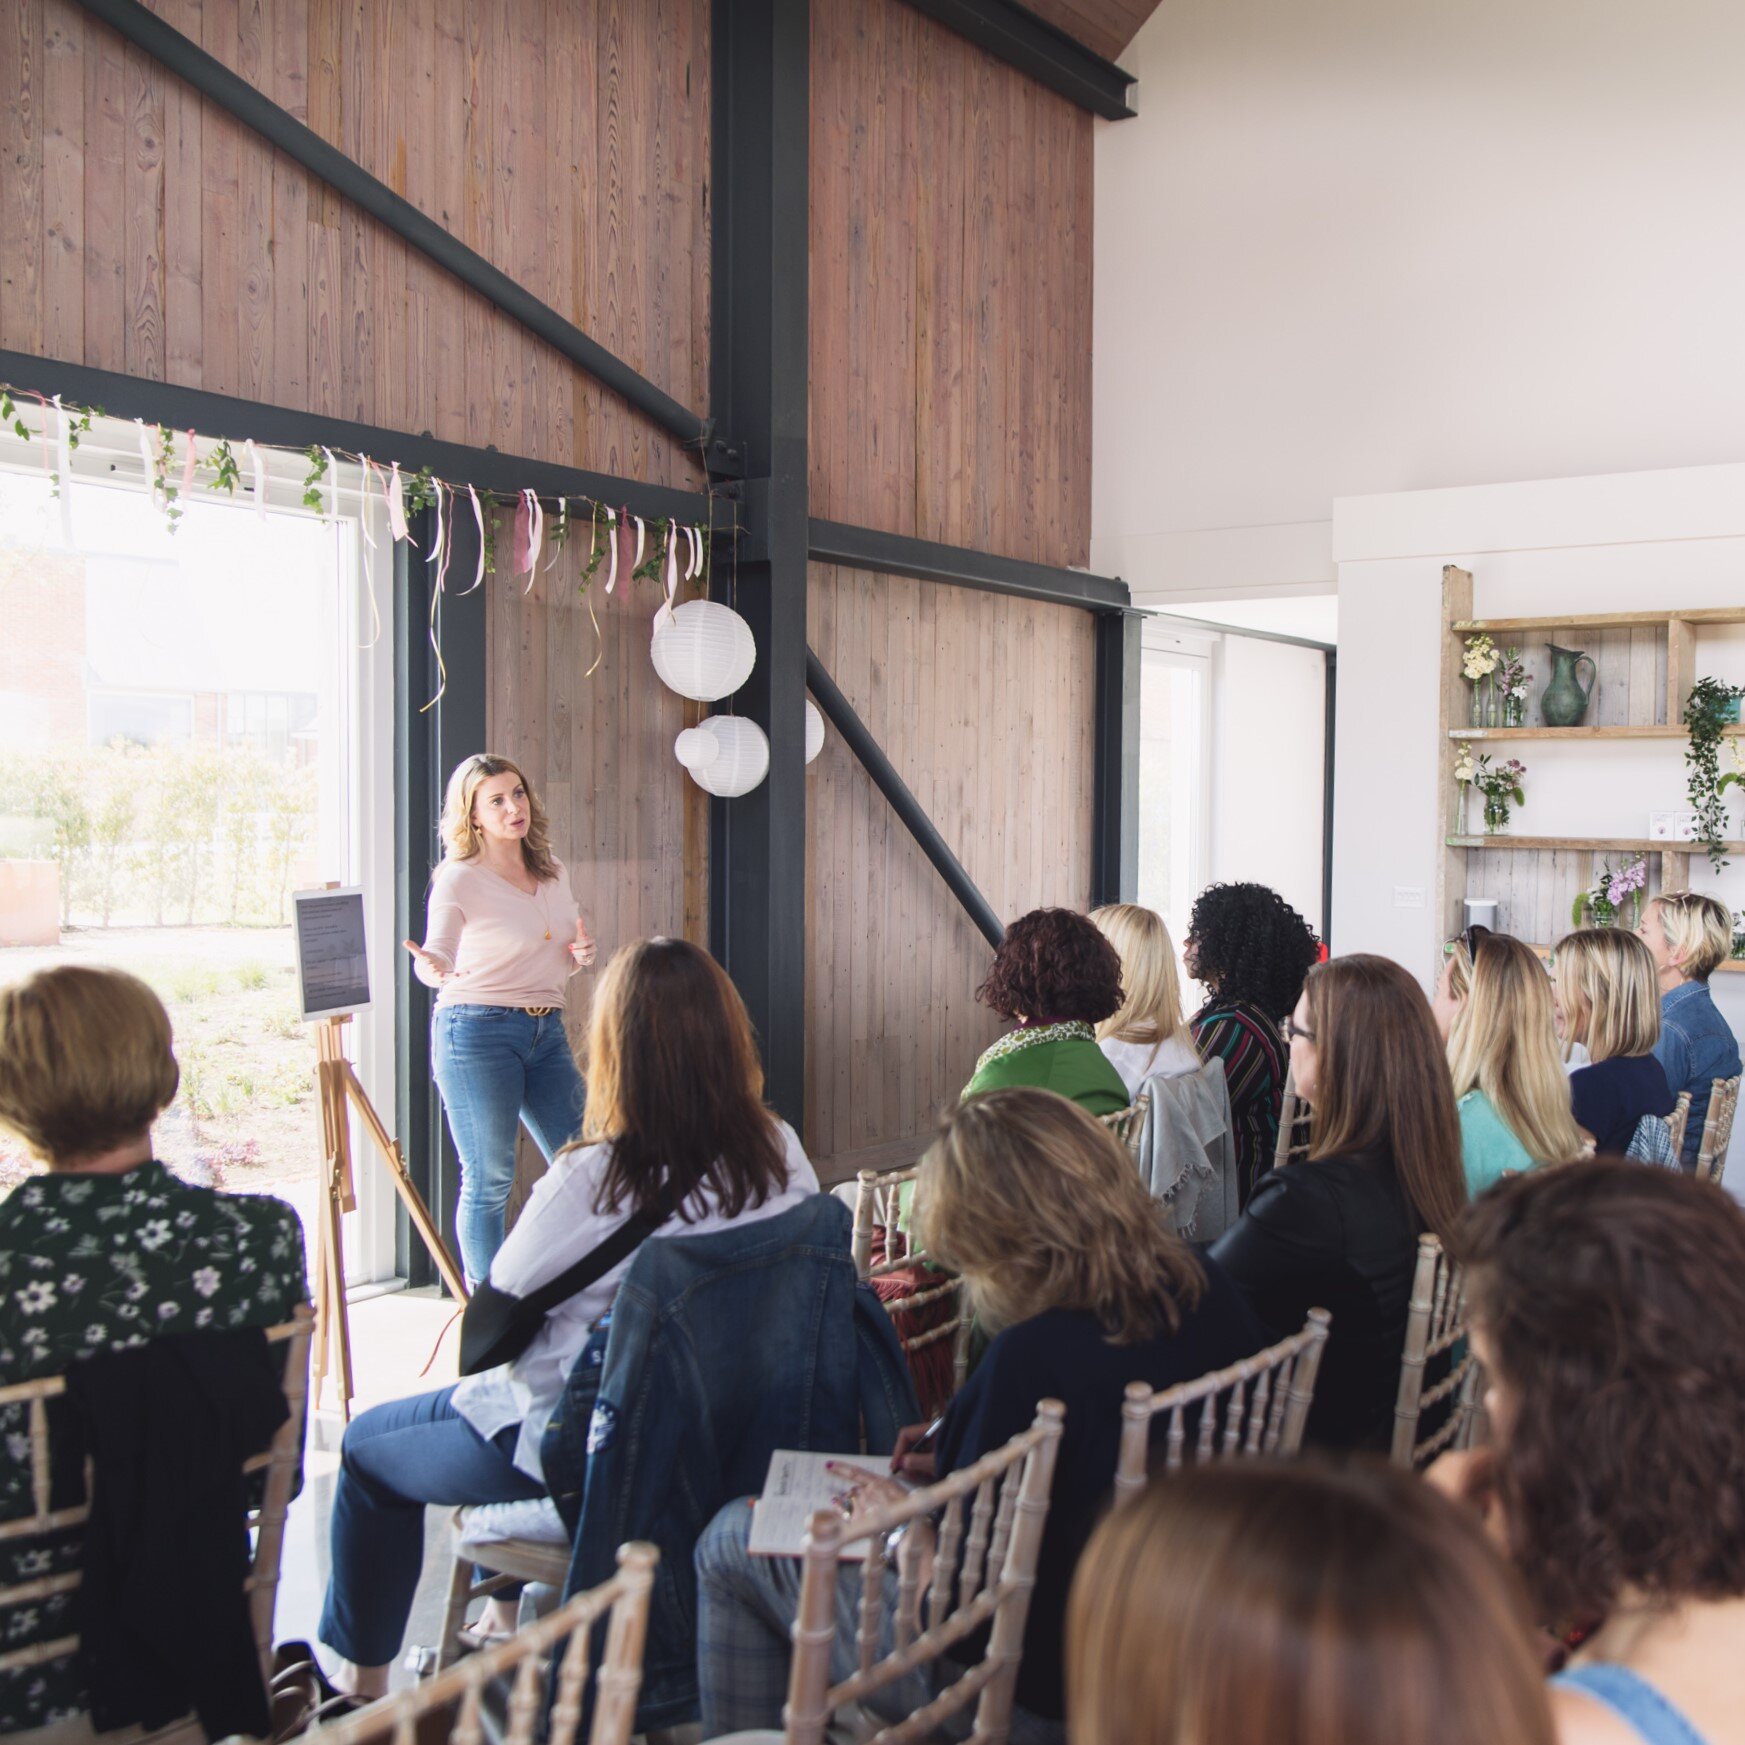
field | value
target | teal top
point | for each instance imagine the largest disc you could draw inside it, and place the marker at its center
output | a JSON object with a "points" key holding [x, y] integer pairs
{"points": [[1488, 1144]]}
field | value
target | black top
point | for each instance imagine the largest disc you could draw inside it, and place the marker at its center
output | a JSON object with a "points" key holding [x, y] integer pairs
{"points": [[1064, 1355], [1333, 1233], [1611, 1096]]}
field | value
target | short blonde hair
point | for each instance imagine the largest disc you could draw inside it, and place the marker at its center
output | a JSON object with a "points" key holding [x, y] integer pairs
{"points": [[461, 837], [1039, 1207], [1151, 991], [85, 1061], [1610, 992], [1699, 931]]}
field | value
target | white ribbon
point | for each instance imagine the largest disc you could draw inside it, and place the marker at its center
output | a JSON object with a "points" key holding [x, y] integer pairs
{"points": [[612, 542], [641, 541], [258, 462], [396, 495], [664, 616], [479, 519], [151, 474], [537, 538], [332, 484], [436, 543], [563, 531], [369, 467], [64, 464]]}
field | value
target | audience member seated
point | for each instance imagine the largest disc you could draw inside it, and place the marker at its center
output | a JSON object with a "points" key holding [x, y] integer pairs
{"points": [[1147, 1037], [1244, 1602], [675, 1117], [1251, 950], [104, 1251], [1070, 1264], [1607, 1304], [1058, 978], [1493, 1006], [1690, 935], [1608, 994], [1339, 1229]]}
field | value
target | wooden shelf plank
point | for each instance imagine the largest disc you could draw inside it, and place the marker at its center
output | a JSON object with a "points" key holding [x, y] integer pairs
{"points": [[1610, 844], [1600, 620], [1579, 734]]}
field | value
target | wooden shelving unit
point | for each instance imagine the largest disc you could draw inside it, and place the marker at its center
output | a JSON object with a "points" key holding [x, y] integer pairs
{"points": [[1646, 665]]}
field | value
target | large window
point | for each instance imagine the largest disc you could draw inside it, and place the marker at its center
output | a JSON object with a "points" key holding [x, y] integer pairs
{"points": [[1174, 765]]}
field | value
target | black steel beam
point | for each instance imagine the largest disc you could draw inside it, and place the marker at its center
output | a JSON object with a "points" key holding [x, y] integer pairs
{"points": [[840, 713], [1044, 52], [1115, 781], [759, 376], [896, 554], [285, 427], [211, 78], [428, 743]]}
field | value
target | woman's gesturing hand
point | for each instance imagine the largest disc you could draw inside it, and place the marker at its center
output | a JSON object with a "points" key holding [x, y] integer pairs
{"points": [[582, 948], [438, 969]]}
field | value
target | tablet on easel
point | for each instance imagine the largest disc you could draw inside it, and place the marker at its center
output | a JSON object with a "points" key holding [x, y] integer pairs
{"points": [[333, 971]]}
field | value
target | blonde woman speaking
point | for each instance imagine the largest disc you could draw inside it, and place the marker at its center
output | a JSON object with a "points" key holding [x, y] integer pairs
{"points": [[502, 938]]}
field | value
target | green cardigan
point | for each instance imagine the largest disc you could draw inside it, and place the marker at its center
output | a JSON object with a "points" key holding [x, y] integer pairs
{"points": [[1054, 1057]]}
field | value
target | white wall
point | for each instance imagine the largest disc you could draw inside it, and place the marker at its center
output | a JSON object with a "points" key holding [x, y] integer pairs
{"points": [[1363, 246], [1626, 542]]}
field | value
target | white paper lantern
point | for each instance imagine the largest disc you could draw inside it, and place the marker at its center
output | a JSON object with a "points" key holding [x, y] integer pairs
{"points": [[695, 747], [814, 730], [741, 763], [705, 652]]}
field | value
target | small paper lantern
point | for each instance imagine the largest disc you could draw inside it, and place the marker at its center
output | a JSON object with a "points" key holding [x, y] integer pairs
{"points": [[695, 747], [814, 730], [741, 763], [705, 652]]}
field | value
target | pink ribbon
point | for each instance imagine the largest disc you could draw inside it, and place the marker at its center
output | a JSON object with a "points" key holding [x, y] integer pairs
{"points": [[436, 543], [536, 538], [523, 538], [188, 466], [396, 495]]}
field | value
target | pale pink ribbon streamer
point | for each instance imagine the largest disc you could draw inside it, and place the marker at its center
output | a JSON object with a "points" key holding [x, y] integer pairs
{"points": [[188, 466], [479, 521], [522, 538], [396, 494], [260, 479], [536, 537], [664, 616], [64, 447], [641, 541], [369, 467], [436, 543]]}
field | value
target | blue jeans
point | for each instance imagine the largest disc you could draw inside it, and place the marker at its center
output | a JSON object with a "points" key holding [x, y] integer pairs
{"points": [[497, 1066], [746, 1608], [394, 1460]]}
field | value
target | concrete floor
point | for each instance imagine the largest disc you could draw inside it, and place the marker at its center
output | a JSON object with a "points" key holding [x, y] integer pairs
{"points": [[392, 1339]]}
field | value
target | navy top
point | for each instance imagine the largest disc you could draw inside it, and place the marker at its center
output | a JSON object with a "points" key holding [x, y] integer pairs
{"points": [[1696, 1047], [1334, 1233], [1611, 1096], [1063, 1354]]}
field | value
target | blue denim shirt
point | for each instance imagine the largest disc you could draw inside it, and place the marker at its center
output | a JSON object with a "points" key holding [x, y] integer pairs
{"points": [[721, 1349], [1696, 1047]]}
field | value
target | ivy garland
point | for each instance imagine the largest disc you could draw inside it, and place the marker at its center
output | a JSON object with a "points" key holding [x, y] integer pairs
{"points": [[1705, 714]]}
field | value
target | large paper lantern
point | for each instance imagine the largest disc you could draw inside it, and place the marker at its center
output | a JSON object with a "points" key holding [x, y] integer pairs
{"points": [[705, 651], [695, 747], [740, 764], [814, 730]]}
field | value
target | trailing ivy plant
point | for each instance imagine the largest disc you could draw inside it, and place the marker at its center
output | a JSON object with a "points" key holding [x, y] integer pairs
{"points": [[1705, 715], [225, 472]]}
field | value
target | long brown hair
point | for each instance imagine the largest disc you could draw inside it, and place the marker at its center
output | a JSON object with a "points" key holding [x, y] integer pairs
{"points": [[1382, 1083], [1611, 1301], [676, 1086], [1504, 1043], [1300, 1605], [461, 837], [1039, 1207]]}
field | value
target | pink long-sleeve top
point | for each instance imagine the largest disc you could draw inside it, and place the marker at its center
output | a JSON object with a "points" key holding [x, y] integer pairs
{"points": [[507, 948]]}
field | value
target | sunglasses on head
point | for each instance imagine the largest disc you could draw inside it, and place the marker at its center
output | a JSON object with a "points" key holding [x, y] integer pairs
{"points": [[1469, 939]]}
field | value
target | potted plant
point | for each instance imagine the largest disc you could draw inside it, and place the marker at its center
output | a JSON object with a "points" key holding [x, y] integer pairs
{"points": [[1499, 784], [1711, 708], [1610, 890]]}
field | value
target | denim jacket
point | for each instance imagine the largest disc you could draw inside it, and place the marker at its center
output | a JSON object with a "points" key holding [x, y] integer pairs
{"points": [[721, 1349], [1696, 1047]]}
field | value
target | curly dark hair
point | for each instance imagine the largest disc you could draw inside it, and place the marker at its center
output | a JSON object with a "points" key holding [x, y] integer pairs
{"points": [[1250, 944], [1611, 1299], [1053, 965]]}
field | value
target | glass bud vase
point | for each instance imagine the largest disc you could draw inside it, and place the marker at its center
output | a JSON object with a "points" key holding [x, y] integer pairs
{"points": [[1514, 712], [1477, 718], [1604, 912], [1496, 816]]}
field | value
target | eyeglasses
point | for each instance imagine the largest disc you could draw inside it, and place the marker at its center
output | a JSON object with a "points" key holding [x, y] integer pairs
{"points": [[1295, 1031]]}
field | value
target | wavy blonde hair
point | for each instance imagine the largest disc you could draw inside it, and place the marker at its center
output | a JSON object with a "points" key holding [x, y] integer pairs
{"points": [[1039, 1207], [1610, 992], [1504, 1043], [1151, 991], [1698, 929], [461, 837]]}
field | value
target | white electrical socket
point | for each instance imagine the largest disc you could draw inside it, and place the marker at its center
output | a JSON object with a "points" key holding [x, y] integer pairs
{"points": [[1408, 896]]}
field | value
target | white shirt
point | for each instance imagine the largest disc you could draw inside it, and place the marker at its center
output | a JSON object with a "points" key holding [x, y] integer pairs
{"points": [[1138, 1061], [557, 1227]]}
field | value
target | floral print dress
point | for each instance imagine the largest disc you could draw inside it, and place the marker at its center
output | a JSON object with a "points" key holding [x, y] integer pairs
{"points": [[92, 1263]]}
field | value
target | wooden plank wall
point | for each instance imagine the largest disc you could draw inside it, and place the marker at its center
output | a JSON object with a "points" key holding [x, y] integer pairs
{"points": [[950, 304], [143, 230]]}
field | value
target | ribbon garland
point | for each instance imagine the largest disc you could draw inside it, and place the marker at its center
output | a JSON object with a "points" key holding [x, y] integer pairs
{"points": [[371, 471], [479, 522], [64, 459], [258, 460], [397, 504]]}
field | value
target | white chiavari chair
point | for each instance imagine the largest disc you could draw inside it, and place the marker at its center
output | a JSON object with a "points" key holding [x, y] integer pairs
{"points": [[1717, 1129], [1436, 1334], [1129, 1123]]}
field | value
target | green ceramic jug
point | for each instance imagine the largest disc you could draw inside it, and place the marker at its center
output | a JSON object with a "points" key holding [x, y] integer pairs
{"points": [[1563, 702]]}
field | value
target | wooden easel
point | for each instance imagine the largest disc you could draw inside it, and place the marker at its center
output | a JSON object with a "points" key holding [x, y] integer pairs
{"points": [[340, 1092]]}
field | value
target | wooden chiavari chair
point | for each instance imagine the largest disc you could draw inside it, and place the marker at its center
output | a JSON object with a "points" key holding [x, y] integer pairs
{"points": [[1677, 1122], [1436, 1333], [1265, 1404], [455, 1697], [1293, 1126], [1128, 1124], [1717, 1129]]}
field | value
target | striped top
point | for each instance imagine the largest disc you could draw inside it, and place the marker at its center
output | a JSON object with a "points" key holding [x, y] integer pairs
{"points": [[1252, 1049]]}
